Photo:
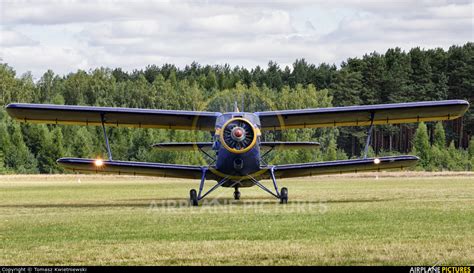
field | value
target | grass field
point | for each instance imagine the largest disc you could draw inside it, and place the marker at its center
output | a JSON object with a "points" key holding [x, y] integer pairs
{"points": [[339, 220]]}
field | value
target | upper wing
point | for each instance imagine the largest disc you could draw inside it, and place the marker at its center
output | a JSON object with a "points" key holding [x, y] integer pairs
{"points": [[133, 168], [118, 117], [344, 166], [361, 115]]}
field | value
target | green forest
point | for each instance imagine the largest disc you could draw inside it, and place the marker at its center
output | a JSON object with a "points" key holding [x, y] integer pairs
{"points": [[390, 77]]}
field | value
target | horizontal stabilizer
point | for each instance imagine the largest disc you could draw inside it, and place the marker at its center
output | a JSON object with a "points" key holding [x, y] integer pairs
{"points": [[183, 146], [281, 145], [345, 166], [82, 165], [276, 145]]}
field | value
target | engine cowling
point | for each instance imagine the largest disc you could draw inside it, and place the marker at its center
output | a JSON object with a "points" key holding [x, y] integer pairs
{"points": [[238, 135]]}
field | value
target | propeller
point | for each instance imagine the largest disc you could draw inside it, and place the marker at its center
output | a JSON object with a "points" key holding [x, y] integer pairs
{"points": [[238, 134]]}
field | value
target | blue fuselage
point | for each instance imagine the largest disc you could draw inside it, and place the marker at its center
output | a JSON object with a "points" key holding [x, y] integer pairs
{"points": [[237, 165]]}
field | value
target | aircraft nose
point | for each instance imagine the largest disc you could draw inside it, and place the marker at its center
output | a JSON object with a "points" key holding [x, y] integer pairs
{"points": [[238, 134]]}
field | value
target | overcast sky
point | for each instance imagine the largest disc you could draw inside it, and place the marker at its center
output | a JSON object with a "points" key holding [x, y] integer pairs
{"points": [[68, 35]]}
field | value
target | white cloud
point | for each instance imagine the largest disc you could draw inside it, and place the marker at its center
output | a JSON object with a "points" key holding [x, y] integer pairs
{"points": [[453, 11], [67, 35], [10, 38], [268, 23], [38, 59], [58, 12]]}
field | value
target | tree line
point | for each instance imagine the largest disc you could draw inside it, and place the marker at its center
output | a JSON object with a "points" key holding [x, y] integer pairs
{"points": [[395, 76]]}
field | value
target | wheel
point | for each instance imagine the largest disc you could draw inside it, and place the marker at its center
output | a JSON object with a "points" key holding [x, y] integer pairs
{"points": [[193, 199], [284, 196], [236, 195]]}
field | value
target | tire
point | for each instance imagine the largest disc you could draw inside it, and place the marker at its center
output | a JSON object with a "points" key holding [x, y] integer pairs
{"points": [[284, 196], [236, 195], [193, 199]]}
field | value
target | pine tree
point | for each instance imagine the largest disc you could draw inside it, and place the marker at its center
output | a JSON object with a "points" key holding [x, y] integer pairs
{"points": [[81, 145], [439, 138], [211, 81], [75, 85], [45, 87], [439, 158], [273, 76], [471, 147], [300, 73], [421, 145], [396, 81], [20, 158], [440, 89], [3, 169], [420, 78], [5, 144], [348, 88], [52, 150], [8, 84], [331, 151], [374, 69], [455, 162]]}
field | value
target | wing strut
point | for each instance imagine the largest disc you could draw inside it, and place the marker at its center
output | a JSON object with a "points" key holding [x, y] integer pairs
{"points": [[369, 134], [272, 173], [201, 185], [262, 158], [196, 197], [221, 182], [105, 136]]}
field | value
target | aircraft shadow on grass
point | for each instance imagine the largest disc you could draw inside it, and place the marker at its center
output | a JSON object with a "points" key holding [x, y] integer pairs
{"points": [[180, 203]]}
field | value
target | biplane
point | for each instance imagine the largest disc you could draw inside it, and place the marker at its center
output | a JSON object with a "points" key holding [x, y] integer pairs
{"points": [[237, 152]]}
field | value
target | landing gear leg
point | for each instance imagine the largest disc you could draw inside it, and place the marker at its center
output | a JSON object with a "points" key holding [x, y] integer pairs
{"points": [[282, 195], [237, 193], [194, 197]]}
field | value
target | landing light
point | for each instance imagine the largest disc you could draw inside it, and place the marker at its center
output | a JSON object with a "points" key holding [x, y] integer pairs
{"points": [[376, 161], [98, 162]]}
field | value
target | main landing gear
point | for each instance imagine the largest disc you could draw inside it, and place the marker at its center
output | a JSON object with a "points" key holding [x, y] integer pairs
{"points": [[237, 193], [284, 196], [195, 197]]}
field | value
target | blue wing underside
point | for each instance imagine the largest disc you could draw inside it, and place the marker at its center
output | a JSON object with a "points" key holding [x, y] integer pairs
{"points": [[345, 166], [116, 167], [362, 115], [112, 116], [281, 171]]}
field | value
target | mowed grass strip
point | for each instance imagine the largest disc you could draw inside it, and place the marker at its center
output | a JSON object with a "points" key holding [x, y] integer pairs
{"points": [[340, 220]]}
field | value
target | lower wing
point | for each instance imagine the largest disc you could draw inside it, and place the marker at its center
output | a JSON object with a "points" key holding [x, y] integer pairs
{"points": [[195, 172], [132, 168], [344, 166]]}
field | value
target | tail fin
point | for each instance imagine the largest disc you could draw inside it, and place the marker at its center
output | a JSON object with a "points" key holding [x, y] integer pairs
{"points": [[236, 108]]}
